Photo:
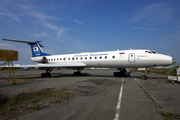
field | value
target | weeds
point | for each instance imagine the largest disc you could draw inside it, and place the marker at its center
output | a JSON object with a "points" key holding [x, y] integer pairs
{"points": [[161, 71], [159, 106], [158, 82], [36, 97], [35, 107], [167, 113]]}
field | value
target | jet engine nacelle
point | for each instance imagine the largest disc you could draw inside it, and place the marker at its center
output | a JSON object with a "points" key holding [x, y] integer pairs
{"points": [[39, 59], [159, 67]]}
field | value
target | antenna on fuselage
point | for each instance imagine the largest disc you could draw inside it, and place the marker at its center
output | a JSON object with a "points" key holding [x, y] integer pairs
{"points": [[130, 48]]}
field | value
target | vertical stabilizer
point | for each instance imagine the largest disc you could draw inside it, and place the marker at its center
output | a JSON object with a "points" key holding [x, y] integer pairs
{"points": [[36, 50]]}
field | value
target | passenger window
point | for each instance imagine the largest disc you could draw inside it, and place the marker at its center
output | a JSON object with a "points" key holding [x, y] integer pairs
{"points": [[51, 59], [95, 57], [54, 59], [113, 57], [100, 57], [90, 58], [64, 59], [68, 58], [76, 58], [57, 59], [86, 58], [81, 58], [73, 58], [60, 58], [105, 57]]}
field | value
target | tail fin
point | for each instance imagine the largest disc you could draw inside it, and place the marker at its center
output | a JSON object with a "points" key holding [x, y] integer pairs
{"points": [[35, 47], [36, 50]]}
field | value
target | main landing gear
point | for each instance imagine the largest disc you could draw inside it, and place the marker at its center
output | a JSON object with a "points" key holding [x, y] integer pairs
{"points": [[78, 72], [123, 72], [47, 74]]}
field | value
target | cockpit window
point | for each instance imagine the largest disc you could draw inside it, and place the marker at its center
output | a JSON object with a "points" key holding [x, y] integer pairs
{"points": [[151, 52]]}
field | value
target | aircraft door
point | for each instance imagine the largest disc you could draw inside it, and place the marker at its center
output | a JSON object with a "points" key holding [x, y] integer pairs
{"points": [[131, 57]]}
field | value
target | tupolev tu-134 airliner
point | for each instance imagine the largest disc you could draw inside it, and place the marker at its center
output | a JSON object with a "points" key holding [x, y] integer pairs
{"points": [[119, 59]]}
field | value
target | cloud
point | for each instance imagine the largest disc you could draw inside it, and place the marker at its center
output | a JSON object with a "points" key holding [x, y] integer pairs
{"points": [[159, 13], [60, 32], [6, 46], [13, 16], [43, 34], [78, 22], [146, 29], [45, 20], [51, 26]]}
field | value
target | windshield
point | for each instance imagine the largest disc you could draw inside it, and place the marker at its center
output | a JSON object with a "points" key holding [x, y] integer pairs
{"points": [[151, 51]]}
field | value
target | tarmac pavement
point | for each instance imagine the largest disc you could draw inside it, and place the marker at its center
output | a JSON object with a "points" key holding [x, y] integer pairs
{"points": [[99, 95]]}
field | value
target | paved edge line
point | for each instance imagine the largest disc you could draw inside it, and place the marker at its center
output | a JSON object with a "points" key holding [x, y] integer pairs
{"points": [[119, 102], [152, 98]]}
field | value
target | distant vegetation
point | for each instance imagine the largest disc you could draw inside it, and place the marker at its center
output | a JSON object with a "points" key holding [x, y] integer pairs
{"points": [[158, 71], [164, 71]]}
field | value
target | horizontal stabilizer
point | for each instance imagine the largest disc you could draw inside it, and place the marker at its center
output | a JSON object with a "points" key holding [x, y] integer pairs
{"points": [[22, 41]]}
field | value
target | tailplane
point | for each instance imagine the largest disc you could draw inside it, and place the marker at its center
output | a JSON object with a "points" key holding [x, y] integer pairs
{"points": [[35, 47]]}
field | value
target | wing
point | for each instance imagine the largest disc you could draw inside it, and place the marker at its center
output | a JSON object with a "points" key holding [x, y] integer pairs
{"points": [[48, 66]]}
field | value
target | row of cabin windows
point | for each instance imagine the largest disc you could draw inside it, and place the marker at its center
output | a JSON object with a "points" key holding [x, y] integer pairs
{"points": [[77, 58]]}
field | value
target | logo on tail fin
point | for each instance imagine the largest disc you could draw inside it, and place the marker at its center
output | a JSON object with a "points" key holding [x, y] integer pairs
{"points": [[36, 50]]}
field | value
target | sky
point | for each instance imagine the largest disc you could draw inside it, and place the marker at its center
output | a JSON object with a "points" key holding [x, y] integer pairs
{"points": [[73, 26]]}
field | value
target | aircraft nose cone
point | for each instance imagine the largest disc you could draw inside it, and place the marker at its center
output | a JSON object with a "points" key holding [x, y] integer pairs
{"points": [[174, 60]]}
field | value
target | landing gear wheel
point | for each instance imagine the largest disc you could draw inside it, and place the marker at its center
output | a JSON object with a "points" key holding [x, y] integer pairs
{"points": [[77, 73], [172, 81], [144, 77], [43, 75], [46, 75]]}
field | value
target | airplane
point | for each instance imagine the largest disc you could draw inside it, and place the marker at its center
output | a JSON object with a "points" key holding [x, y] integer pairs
{"points": [[120, 59], [24, 68]]}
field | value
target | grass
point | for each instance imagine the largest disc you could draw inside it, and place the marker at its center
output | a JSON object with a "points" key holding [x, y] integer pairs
{"points": [[35, 107], [167, 113], [35, 99], [159, 71], [159, 106]]}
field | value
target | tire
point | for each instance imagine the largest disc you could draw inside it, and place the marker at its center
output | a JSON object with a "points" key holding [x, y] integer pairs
{"points": [[144, 77], [42, 74], [172, 81], [77, 73]]}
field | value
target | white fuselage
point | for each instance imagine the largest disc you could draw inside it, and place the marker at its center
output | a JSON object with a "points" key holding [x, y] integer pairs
{"points": [[111, 59]]}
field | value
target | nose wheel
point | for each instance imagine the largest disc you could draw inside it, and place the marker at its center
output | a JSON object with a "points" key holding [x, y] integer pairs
{"points": [[144, 77]]}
